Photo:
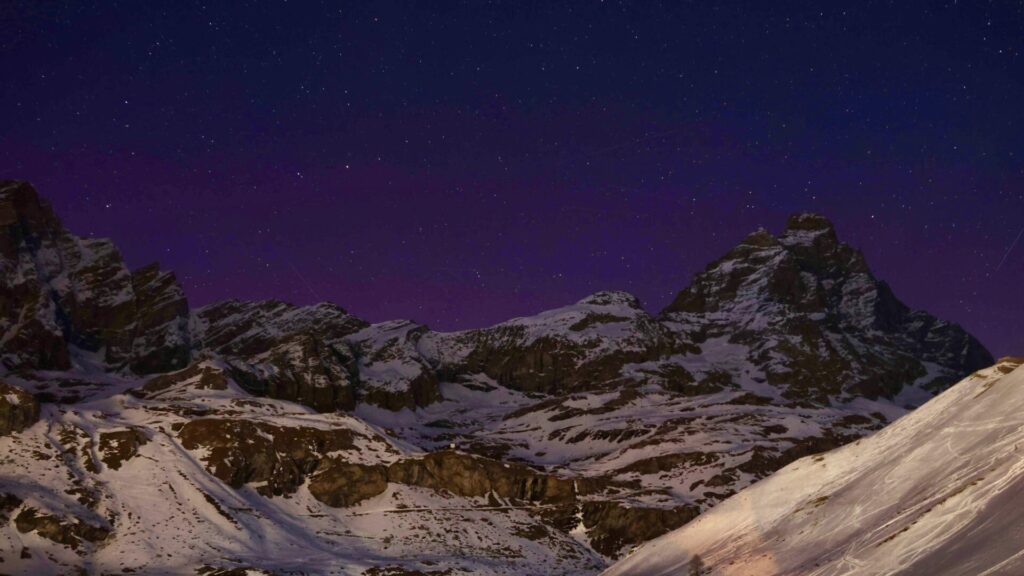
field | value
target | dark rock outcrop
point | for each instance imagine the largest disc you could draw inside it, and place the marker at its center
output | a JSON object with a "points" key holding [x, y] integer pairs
{"points": [[19, 409], [392, 371], [161, 336], [119, 446], [612, 526], [198, 376], [71, 533], [472, 476], [283, 351], [340, 484], [241, 451]]}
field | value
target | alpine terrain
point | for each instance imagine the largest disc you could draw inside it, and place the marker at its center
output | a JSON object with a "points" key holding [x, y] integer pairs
{"points": [[139, 434], [936, 493]]}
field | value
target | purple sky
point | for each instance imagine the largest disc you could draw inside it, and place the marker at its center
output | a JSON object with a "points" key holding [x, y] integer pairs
{"points": [[463, 164]]}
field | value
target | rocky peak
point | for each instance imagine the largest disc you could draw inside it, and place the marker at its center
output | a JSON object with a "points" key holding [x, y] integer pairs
{"points": [[25, 218], [612, 298], [60, 294], [760, 238], [807, 307], [809, 222]]}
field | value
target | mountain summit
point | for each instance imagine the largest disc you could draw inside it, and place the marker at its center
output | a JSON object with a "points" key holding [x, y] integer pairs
{"points": [[553, 442]]}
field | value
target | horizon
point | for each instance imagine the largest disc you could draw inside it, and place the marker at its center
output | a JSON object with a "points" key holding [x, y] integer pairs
{"points": [[653, 310]]}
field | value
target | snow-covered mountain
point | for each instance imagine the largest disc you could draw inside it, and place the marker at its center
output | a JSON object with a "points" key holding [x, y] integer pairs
{"points": [[938, 492], [548, 443]]}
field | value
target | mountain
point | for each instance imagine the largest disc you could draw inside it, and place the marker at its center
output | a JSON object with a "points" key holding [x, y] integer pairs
{"points": [[937, 492], [268, 431], [67, 301]]}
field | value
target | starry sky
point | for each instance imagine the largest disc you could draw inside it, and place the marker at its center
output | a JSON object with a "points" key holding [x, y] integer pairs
{"points": [[463, 163]]}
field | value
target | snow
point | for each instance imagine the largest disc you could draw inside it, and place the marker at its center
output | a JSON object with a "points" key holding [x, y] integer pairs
{"points": [[935, 493], [171, 515]]}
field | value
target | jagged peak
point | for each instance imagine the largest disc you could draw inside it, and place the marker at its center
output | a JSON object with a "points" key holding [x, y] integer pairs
{"points": [[809, 230], [22, 194], [19, 202], [809, 221], [8, 185], [611, 298], [760, 238]]}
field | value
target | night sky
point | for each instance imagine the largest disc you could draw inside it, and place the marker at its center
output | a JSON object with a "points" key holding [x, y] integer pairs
{"points": [[460, 164]]}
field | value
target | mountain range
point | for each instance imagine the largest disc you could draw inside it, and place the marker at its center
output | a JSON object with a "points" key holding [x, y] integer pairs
{"points": [[142, 435]]}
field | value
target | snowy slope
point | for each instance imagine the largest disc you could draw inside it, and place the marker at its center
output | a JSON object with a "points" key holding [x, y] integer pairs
{"points": [[122, 486], [937, 493]]}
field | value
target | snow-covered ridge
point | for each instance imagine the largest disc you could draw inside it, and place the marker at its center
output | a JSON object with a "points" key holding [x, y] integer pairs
{"points": [[937, 492]]}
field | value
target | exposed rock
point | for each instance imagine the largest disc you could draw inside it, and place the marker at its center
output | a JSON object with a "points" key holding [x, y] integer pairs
{"points": [[71, 533], [18, 409], [584, 346], [243, 451], [611, 526], [198, 376], [338, 483], [162, 339], [466, 475], [8, 503], [283, 351], [120, 446]]}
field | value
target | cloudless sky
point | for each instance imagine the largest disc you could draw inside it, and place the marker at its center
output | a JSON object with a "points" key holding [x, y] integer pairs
{"points": [[462, 163]]}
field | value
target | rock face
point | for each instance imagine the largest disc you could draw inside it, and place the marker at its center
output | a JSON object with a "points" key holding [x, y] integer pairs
{"points": [[612, 526], [340, 484], [60, 293], [471, 476], [580, 347], [283, 351], [240, 451], [162, 337], [18, 409]]}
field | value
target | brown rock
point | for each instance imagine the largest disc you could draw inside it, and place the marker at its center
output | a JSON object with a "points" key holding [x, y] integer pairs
{"points": [[18, 409], [119, 446], [338, 483], [198, 375], [60, 530], [611, 526], [242, 451], [471, 476]]}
